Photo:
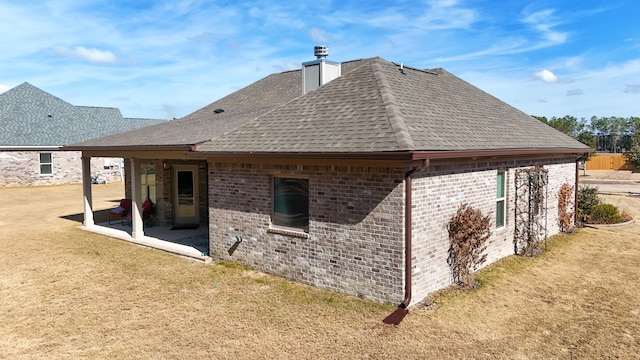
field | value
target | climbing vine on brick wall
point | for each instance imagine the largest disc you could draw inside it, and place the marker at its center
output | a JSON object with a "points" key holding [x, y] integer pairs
{"points": [[469, 231], [530, 209], [565, 208]]}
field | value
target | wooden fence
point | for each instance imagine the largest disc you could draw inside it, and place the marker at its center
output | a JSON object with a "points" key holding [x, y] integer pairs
{"points": [[604, 161]]}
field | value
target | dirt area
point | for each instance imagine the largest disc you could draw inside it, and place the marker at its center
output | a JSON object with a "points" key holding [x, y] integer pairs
{"points": [[610, 175], [69, 294]]}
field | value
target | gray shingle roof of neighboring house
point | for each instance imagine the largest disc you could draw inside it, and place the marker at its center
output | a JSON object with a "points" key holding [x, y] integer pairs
{"points": [[32, 117], [375, 106]]}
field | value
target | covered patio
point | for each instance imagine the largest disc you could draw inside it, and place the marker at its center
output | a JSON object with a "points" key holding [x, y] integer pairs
{"points": [[160, 233]]}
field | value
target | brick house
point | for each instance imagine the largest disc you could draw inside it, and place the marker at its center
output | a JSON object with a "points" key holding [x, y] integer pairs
{"points": [[344, 176], [34, 125]]}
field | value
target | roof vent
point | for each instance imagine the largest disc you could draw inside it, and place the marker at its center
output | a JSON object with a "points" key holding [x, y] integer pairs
{"points": [[218, 111], [321, 51]]}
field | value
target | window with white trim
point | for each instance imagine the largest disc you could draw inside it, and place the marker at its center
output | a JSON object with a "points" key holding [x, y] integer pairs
{"points": [[46, 163], [291, 203], [501, 182]]}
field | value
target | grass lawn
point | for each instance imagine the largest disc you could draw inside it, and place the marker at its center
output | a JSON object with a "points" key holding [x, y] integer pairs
{"points": [[69, 294]]}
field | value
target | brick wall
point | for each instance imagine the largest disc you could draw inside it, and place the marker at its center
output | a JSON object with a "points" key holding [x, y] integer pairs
{"points": [[355, 239], [440, 191], [559, 174], [22, 168], [355, 243]]}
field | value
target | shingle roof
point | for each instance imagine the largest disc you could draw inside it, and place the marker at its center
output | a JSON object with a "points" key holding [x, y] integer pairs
{"points": [[32, 117], [205, 124], [375, 106], [380, 107]]}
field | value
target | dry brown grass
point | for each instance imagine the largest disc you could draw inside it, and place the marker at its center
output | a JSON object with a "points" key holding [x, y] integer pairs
{"points": [[65, 293]]}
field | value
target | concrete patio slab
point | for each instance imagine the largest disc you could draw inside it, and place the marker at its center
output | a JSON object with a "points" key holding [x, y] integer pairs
{"points": [[190, 243]]}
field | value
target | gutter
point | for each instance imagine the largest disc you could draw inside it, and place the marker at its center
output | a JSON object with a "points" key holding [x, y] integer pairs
{"points": [[408, 233], [402, 155], [185, 147], [191, 150], [29, 147], [453, 154]]}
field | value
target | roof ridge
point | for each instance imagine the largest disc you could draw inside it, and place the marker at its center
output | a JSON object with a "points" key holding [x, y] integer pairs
{"points": [[30, 88], [95, 107], [275, 108], [403, 137]]}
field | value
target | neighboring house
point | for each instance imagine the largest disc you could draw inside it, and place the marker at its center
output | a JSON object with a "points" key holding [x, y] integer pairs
{"points": [[34, 125], [345, 176]]}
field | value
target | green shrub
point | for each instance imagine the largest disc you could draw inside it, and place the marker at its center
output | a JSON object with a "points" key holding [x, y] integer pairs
{"points": [[605, 214], [633, 155], [587, 200]]}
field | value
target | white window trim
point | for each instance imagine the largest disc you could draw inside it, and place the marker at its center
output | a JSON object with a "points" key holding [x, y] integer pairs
{"points": [[503, 199], [40, 163]]}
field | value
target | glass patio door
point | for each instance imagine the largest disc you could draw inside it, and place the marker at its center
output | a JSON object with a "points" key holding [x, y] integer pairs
{"points": [[185, 192]]}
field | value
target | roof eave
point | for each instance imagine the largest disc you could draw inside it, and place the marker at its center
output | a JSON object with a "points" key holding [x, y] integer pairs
{"points": [[454, 154], [393, 155], [379, 155], [183, 147], [29, 147]]}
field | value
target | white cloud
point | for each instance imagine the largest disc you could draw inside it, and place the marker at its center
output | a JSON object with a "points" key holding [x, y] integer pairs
{"points": [[443, 3], [319, 35], [90, 55], [183, 54], [573, 62], [445, 14], [543, 22], [632, 89], [546, 76], [4, 88], [408, 18]]}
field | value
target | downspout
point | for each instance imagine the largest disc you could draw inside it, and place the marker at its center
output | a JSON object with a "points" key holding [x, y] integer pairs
{"points": [[408, 225], [575, 192]]}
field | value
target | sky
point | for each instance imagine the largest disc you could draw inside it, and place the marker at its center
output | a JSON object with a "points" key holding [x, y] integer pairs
{"points": [[165, 59]]}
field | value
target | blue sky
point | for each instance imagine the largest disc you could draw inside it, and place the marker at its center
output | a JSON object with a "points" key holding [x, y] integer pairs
{"points": [[166, 59]]}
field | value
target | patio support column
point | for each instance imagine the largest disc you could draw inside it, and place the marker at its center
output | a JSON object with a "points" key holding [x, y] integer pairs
{"points": [[86, 191], [137, 226]]}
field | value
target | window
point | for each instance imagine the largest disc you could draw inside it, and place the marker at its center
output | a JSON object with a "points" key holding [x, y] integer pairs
{"points": [[500, 198], [46, 164], [291, 203]]}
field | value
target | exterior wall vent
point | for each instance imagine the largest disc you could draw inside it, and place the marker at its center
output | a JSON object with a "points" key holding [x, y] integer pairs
{"points": [[320, 71]]}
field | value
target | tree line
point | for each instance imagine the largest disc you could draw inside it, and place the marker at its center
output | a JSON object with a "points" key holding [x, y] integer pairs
{"points": [[605, 134]]}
